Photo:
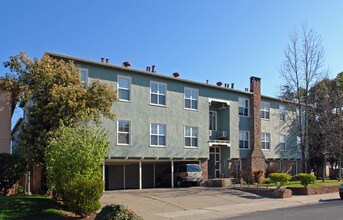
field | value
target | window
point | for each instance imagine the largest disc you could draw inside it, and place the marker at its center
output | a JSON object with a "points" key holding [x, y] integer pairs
{"points": [[244, 138], [191, 98], [265, 139], [243, 106], [282, 143], [124, 88], [191, 136], [282, 112], [213, 121], [84, 77], [124, 132], [158, 93], [158, 135], [265, 110]]}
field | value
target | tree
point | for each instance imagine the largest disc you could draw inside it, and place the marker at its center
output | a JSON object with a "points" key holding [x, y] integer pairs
{"points": [[51, 91], [302, 67], [75, 152]]}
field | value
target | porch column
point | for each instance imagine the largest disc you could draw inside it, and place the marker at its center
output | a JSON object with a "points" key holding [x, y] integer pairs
{"points": [[172, 174], [140, 174], [124, 168]]}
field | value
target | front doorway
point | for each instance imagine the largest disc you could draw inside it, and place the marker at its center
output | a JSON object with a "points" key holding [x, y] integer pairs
{"points": [[214, 163]]}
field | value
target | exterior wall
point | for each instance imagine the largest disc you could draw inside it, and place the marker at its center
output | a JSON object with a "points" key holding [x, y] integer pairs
{"points": [[5, 121], [141, 114]]}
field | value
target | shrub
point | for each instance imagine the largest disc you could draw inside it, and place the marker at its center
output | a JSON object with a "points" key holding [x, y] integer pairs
{"points": [[279, 179], [305, 178], [267, 181], [258, 176], [73, 152], [12, 168], [82, 195], [117, 212]]}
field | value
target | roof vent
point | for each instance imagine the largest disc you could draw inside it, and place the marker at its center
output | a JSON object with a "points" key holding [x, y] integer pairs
{"points": [[246, 89], [126, 64], [232, 85], [107, 60], [176, 74], [153, 69], [219, 83], [102, 60]]}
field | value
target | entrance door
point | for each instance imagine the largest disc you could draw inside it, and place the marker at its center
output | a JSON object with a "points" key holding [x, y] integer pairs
{"points": [[215, 161]]}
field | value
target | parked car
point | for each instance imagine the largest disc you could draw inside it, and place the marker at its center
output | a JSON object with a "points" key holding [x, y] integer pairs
{"points": [[183, 173], [341, 191]]}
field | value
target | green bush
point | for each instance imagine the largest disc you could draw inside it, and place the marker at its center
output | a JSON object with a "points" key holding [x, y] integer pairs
{"points": [[266, 181], [117, 212], [12, 167], [279, 179], [73, 152], [82, 195], [305, 178]]}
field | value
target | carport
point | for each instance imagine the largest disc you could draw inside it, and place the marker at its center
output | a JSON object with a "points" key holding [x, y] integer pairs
{"points": [[139, 173]]}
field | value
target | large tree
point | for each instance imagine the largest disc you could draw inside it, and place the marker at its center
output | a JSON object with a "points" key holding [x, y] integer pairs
{"points": [[51, 92], [302, 67]]}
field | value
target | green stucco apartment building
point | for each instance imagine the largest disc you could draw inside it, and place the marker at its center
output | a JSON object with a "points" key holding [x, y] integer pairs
{"points": [[164, 120]]}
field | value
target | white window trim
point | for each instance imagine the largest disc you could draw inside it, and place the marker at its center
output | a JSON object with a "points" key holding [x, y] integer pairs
{"points": [[130, 133], [266, 142], [283, 142], [216, 120], [130, 89], [267, 103], [240, 140], [242, 98], [87, 74], [184, 137], [165, 84], [184, 98], [159, 146]]}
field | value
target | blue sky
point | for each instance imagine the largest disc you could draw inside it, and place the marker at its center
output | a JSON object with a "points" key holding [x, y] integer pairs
{"points": [[219, 40]]}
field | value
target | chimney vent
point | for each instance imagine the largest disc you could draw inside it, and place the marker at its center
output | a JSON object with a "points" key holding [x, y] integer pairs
{"points": [[225, 84], [102, 59], [219, 83], [126, 64], [107, 60], [246, 89], [206, 81], [153, 68], [176, 74], [232, 85]]}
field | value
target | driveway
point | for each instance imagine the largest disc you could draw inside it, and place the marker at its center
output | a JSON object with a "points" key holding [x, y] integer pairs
{"points": [[200, 202]]}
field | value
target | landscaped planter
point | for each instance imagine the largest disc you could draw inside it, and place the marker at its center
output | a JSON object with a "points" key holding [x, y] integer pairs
{"points": [[313, 190], [276, 193], [222, 182]]}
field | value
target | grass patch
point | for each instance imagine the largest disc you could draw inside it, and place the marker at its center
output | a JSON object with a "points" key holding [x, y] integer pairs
{"points": [[316, 183], [31, 207]]}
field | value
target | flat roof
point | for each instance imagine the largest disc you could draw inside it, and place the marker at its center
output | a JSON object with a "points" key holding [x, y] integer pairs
{"points": [[129, 69]]}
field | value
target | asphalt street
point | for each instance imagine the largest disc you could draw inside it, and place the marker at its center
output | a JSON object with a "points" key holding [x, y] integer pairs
{"points": [[330, 209]]}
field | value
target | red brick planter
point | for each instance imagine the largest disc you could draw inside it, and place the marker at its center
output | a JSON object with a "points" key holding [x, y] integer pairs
{"points": [[276, 193], [313, 190]]}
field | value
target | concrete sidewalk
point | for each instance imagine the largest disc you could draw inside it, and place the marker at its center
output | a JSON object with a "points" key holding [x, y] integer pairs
{"points": [[203, 203]]}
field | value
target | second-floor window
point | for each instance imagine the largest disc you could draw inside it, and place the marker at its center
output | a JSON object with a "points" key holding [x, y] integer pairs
{"points": [[124, 87], [84, 77], [158, 93], [265, 110], [265, 141], [244, 139], [243, 106], [282, 143], [191, 98], [191, 136], [213, 121], [158, 135], [123, 133], [282, 112]]}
